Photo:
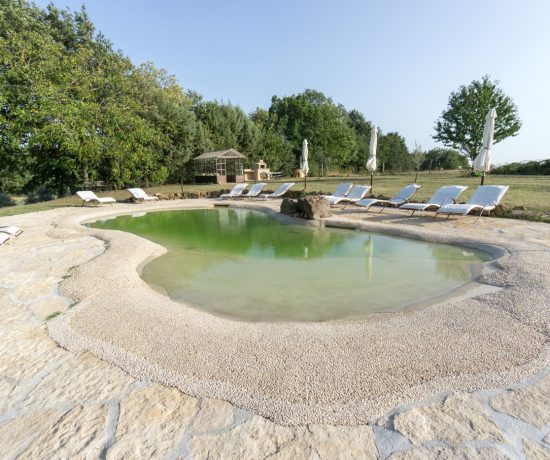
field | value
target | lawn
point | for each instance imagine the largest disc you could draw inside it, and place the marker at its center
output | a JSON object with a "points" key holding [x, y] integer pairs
{"points": [[532, 193]]}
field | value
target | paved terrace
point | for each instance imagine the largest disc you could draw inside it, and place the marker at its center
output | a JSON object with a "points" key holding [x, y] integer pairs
{"points": [[57, 403]]}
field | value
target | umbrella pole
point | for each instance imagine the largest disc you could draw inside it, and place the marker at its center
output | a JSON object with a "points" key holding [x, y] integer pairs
{"points": [[371, 176], [305, 181], [482, 178]]}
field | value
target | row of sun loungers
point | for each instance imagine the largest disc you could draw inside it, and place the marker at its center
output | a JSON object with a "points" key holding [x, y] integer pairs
{"points": [[237, 192], [255, 191], [90, 197], [443, 201]]}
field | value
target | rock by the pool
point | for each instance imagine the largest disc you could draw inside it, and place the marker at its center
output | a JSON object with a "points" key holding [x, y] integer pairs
{"points": [[310, 207]]}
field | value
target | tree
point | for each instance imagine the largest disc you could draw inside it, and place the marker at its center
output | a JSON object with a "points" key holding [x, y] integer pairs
{"points": [[417, 156], [540, 167], [392, 153], [362, 128], [440, 158], [311, 115], [270, 146], [461, 125]]}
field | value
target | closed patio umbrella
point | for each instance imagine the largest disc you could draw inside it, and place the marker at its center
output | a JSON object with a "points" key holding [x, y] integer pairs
{"points": [[304, 166], [483, 160], [371, 162]]}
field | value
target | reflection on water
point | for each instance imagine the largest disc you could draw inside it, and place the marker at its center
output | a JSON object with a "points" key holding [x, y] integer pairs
{"points": [[249, 265], [368, 246]]}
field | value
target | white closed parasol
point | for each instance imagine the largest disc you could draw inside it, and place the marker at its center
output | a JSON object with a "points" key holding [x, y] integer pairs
{"points": [[482, 162], [371, 162], [304, 166]]}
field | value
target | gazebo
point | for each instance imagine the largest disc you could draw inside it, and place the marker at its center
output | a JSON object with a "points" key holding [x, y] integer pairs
{"points": [[219, 167]]}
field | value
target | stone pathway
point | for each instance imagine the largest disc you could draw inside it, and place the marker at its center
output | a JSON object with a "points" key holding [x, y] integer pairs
{"points": [[57, 404]]}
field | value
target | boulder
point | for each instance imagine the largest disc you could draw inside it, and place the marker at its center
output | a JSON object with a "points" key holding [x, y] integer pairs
{"points": [[289, 207], [310, 207]]}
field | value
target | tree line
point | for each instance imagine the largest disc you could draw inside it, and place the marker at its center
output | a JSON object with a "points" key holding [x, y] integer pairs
{"points": [[74, 110], [525, 168]]}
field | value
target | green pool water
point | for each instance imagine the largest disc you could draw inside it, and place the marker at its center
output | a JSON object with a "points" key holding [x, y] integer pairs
{"points": [[248, 265]]}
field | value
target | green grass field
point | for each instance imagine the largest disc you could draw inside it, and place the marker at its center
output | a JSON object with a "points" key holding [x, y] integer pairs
{"points": [[532, 193]]}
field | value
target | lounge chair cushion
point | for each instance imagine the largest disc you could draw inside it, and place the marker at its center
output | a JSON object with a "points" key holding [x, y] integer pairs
{"points": [[485, 197], [357, 193], [401, 198], [280, 191], [444, 195], [237, 190], [12, 230], [140, 194], [88, 196], [342, 190], [255, 190]]}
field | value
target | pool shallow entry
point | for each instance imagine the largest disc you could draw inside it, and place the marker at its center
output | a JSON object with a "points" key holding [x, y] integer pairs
{"points": [[249, 265]]}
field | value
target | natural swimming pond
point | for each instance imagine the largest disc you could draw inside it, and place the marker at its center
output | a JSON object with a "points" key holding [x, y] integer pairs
{"points": [[249, 265]]}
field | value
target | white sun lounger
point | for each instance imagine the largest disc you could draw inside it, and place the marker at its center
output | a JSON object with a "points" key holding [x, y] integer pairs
{"points": [[90, 197], [3, 238], [141, 196], [280, 191], [485, 198], [402, 197], [254, 191], [341, 191], [235, 192], [11, 230], [443, 195], [357, 194]]}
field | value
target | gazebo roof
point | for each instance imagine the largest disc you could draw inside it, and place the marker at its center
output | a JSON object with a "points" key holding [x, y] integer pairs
{"points": [[231, 153]]}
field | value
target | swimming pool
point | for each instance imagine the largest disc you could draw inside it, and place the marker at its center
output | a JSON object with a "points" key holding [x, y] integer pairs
{"points": [[251, 266]]}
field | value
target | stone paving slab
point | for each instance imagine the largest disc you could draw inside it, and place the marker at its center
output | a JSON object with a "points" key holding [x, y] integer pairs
{"points": [[58, 404]]}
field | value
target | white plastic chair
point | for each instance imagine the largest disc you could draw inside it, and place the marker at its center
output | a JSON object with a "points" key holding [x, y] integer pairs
{"points": [[255, 190], [341, 191], [485, 198], [357, 194], [141, 196], [235, 192], [443, 195], [11, 230], [280, 191], [402, 197], [90, 197], [4, 237]]}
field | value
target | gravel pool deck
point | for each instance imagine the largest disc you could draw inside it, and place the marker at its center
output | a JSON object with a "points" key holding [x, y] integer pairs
{"points": [[464, 378]]}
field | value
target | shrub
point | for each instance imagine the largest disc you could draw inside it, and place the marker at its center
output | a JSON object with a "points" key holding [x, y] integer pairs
{"points": [[38, 194], [6, 200]]}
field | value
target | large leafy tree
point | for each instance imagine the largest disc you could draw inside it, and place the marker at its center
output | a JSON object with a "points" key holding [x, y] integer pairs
{"points": [[226, 126], [362, 128], [393, 154], [442, 158], [311, 115], [270, 146], [460, 126], [71, 108]]}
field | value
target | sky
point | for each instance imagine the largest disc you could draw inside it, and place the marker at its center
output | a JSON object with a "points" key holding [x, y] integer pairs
{"points": [[396, 61]]}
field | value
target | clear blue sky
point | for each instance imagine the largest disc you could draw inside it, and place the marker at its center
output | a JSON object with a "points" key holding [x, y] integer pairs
{"points": [[396, 61]]}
